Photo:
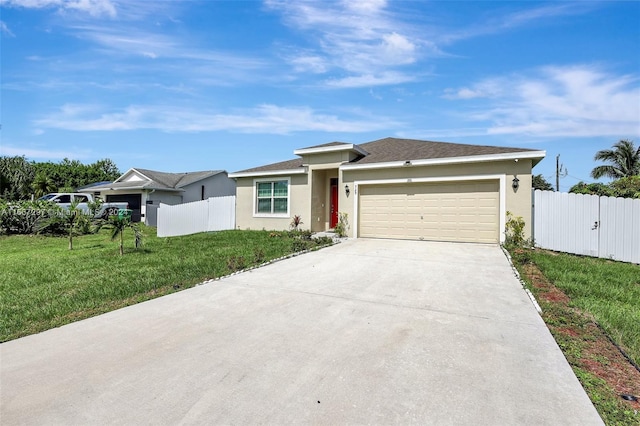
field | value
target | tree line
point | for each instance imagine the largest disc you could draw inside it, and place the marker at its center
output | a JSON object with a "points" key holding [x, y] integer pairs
{"points": [[20, 179], [622, 164]]}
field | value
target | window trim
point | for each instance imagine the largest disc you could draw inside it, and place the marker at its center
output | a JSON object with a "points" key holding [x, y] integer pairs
{"points": [[255, 197]]}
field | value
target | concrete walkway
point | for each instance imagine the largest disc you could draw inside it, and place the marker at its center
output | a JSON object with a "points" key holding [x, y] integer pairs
{"points": [[365, 332]]}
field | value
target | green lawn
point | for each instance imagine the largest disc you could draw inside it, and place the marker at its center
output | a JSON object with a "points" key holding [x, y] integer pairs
{"points": [[610, 291], [45, 285], [575, 293]]}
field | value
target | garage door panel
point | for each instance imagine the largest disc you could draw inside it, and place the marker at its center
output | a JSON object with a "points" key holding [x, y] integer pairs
{"points": [[453, 211]]}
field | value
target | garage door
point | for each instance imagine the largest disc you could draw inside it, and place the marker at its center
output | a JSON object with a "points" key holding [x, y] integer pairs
{"points": [[452, 211], [135, 203]]}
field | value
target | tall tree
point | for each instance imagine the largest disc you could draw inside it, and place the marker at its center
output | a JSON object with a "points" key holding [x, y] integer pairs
{"points": [[539, 182], [623, 159], [71, 174], [16, 175]]}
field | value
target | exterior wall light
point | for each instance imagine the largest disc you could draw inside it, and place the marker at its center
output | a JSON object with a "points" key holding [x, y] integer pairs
{"points": [[516, 183], [346, 190]]}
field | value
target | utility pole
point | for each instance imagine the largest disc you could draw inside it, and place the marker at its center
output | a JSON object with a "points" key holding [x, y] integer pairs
{"points": [[561, 171]]}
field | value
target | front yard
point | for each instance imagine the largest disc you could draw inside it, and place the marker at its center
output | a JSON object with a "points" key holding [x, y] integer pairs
{"points": [[44, 285], [592, 308]]}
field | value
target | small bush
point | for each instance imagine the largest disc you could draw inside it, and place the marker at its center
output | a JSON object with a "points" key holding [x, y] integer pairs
{"points": [[22, 217], [514, 233], [299, 245], [301, 234], [296, 222], [324, 241], [343, 224]]}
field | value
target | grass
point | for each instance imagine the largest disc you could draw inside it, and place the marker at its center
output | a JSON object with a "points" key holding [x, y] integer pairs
{"points": [[585, 303], [44, 285], [610, 291]]}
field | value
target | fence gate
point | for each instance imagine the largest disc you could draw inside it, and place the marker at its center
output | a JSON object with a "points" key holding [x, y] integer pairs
{"points": [[588, 225]]}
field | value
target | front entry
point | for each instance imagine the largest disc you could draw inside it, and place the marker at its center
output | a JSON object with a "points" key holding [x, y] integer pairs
{"points": [[333, 217]]}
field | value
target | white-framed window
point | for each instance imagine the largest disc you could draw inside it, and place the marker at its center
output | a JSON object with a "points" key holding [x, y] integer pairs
{"points": [[271, 197]]}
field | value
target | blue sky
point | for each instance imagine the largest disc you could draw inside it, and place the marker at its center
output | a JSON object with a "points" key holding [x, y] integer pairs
{"points": [[182, 85]]}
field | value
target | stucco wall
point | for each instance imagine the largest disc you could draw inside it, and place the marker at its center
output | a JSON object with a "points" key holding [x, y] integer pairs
{"points": [[328, 159], [300, 204], [214, 186]]}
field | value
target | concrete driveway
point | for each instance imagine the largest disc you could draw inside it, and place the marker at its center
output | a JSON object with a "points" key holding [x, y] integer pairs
{"points": [[365, 332]]}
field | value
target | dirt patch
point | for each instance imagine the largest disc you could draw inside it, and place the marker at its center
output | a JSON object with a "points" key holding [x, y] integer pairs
{"points": [[584, 343]]}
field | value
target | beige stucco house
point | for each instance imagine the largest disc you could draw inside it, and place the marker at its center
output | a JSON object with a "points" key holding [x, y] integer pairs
{"points": [[392, 188]]}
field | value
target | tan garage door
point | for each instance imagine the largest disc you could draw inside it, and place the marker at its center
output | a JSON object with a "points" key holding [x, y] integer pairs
{"points": [[452, 211]]}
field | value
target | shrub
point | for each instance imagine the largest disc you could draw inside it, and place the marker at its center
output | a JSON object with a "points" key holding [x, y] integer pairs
{"points": [[298, 245], [343, 224], [23, 217], [514, 233], [626, 187], [296, 222], [324, 241], [303, 234]]}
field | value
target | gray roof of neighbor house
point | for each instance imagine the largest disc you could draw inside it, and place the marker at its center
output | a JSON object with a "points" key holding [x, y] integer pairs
{"points": [[160, 180], [395, 149]]}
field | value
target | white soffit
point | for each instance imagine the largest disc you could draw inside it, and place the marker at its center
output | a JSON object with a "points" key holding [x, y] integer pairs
{"points": [[515, 156], [297, 171]]}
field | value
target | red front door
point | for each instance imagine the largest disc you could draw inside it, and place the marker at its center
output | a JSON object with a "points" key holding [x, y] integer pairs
{"points": [[333, 221]]}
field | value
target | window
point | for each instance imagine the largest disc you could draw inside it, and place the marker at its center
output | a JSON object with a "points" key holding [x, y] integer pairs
{"points": [[272, 197]]}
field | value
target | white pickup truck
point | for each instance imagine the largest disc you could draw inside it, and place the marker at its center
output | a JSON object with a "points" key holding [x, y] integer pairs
{"points": [[64, 200]]}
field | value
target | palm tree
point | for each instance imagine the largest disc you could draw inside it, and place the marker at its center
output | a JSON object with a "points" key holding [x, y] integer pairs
{"points": [[42, 185], [624, 161], [118, 225], [16, 174]]}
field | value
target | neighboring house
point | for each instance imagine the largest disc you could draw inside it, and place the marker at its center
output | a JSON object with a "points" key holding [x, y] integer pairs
{"points": [[144, 190], [393, 188]]}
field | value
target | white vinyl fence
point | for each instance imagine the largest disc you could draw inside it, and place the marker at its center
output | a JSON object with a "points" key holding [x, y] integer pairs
{"points": [[587, 224], [213, 214]]}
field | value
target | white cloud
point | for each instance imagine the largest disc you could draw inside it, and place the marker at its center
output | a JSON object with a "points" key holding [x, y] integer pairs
{"points": [[365, 6], [368, 80], [309, 63], [92, 7], [506, 22], [267, 119], [119, 40], [570, 101], [489, 88], [397, 49], [360, 38], [5, 30]]}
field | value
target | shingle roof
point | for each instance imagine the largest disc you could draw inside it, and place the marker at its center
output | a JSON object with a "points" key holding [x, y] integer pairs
{"points": [[177, 180], [324, 145], [395, 149], [283, 165], [161, 180]]}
